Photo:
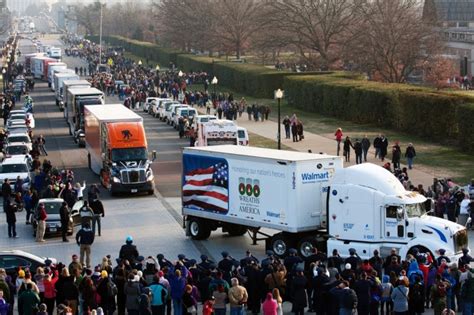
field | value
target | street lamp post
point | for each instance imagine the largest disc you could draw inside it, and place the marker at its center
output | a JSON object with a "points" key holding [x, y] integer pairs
{"points": [[279, 96], [214, 83], [100, 33], [140, 62]]}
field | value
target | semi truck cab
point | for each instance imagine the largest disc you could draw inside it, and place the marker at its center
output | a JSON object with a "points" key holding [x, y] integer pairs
{"points": [[370, 209]]}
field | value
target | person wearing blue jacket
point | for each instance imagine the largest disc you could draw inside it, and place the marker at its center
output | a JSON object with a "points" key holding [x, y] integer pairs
{"points": [[159, 295]]}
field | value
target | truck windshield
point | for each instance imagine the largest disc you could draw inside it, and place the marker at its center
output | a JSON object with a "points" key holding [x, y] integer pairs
{"points": [[129, 154], [415, 210]]}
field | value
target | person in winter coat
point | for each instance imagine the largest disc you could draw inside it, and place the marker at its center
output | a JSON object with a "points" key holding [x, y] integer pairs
{"points": [[410, 155], [294, 131], [10, 212], [237, 298], [383, 147], [49, 282], [177, 283], [416, 297], [396, 155], [28, 301], [269, 306], [358, 151], [338, 134], [365, 147], [105, 291], [298, 292], [346, 298], [400, 297], [362, 289], [287, 124], [4, 306], [189, 301], [144, 302], [132, 291], [347, 149]]}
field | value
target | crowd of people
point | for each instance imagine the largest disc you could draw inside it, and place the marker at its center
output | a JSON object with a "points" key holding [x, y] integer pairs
{"points": [[317, 284]]}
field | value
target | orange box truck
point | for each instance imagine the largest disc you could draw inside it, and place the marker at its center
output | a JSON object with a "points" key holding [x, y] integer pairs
{"points": [[117, 149]]}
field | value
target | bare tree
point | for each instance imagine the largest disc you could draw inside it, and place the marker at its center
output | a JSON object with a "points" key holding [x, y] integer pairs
{"points": [[391, 38], [318, 27], [236, 22]]}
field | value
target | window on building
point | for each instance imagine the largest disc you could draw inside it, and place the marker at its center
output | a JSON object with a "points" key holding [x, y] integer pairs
{"points": [[463, 24]]}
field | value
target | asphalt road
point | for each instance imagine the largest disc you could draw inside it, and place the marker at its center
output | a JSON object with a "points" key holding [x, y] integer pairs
{"points": [[153, 221]]}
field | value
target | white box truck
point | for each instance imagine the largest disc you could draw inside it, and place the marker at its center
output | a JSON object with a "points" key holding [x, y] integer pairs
{"points": [[217, 132], [311, 200], [52, 67], [77, 98], [67, 85], [58, 79]]}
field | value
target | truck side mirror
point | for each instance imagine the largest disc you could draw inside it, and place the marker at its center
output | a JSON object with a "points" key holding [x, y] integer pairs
{"points": [[153, 155], [399, 214]]}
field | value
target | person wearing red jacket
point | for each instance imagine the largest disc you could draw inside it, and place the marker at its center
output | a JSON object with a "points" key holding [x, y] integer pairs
{"points": [[339, 136], [41, 228], [208, 307], [49, 290]]}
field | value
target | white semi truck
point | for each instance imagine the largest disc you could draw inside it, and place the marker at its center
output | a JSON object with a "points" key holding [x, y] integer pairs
{"points": [[77, 98], [67, 85], [310, 200], [217, 132]]}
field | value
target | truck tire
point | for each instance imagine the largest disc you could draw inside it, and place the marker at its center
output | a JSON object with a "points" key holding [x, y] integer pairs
{"points": [[198, 229], [236, 230], [306, 245], [280, 244]]}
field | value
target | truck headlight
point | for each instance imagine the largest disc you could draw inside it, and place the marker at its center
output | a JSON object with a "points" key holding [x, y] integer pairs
{"points": [[116, 179], [149, 175]]}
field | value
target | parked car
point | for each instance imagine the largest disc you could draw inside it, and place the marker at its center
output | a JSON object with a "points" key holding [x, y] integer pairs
{"points": [[154, 110], [14, 149], [13, 260], [163, 110], [19, 137], [172, 112], [53, 221], [13, 167], [148, 103]]}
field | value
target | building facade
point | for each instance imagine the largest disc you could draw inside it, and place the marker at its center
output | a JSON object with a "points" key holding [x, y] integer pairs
{"points": [[457, 18]]}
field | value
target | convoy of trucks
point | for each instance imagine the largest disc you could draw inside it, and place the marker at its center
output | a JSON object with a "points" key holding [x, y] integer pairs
{"points": [[310, 201], [307, 200], [117, 149]]}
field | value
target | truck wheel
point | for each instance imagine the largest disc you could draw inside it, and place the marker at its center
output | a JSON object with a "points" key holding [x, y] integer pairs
{"points": [[306, 245], [280, 245], [198, 229], [236, 230]]}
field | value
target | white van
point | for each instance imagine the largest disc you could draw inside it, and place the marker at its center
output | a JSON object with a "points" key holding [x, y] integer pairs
{"points": [[185, 112], [243, 136], [171, 111], [165, 108]]}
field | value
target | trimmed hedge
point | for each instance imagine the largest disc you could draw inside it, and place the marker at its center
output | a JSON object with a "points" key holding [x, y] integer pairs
{"points": [[415, 110], [466, 127]]}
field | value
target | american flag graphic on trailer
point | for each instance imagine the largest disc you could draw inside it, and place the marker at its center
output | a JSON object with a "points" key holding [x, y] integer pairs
{"points": [[205, 184]]}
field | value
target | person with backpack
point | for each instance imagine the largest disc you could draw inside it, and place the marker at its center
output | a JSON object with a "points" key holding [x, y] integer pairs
{"points": [[416, 297], [438, 294], [346, 297], [400, 297], [467, 293], [107, 290], [159, 296]]}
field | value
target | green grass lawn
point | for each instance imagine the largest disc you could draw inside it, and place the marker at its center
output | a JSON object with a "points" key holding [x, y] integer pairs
{"points": [[262, 142]]}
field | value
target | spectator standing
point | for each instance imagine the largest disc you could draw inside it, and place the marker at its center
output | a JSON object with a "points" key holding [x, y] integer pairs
{"points": [[400, 298], [365, 147], [86, 214], [294, 131], [410, 155], [346, 298], [347, 149], [221, 297], [396, 155], [358, 151], [383, 147], [269, 306], [237, 298], [298, 292], [4, 306], [11, 219], [98, 209], [42, 145], [65, 218], [377, 145], [85, 239], [6, 193], [132, 293], [159, 295], [41, 227], [339, 136], [287, 124], [79, 190], [28, 301]]}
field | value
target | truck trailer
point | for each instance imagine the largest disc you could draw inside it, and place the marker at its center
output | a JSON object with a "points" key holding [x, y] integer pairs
{"points": [[117, 149], [39, 66], [55, 67], [77, 98], [310, 200], [217, 132], [58, 79], [67, 85]]}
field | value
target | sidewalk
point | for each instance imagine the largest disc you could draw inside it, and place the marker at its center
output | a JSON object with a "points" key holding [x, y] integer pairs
{"points": [[317, 144]]}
